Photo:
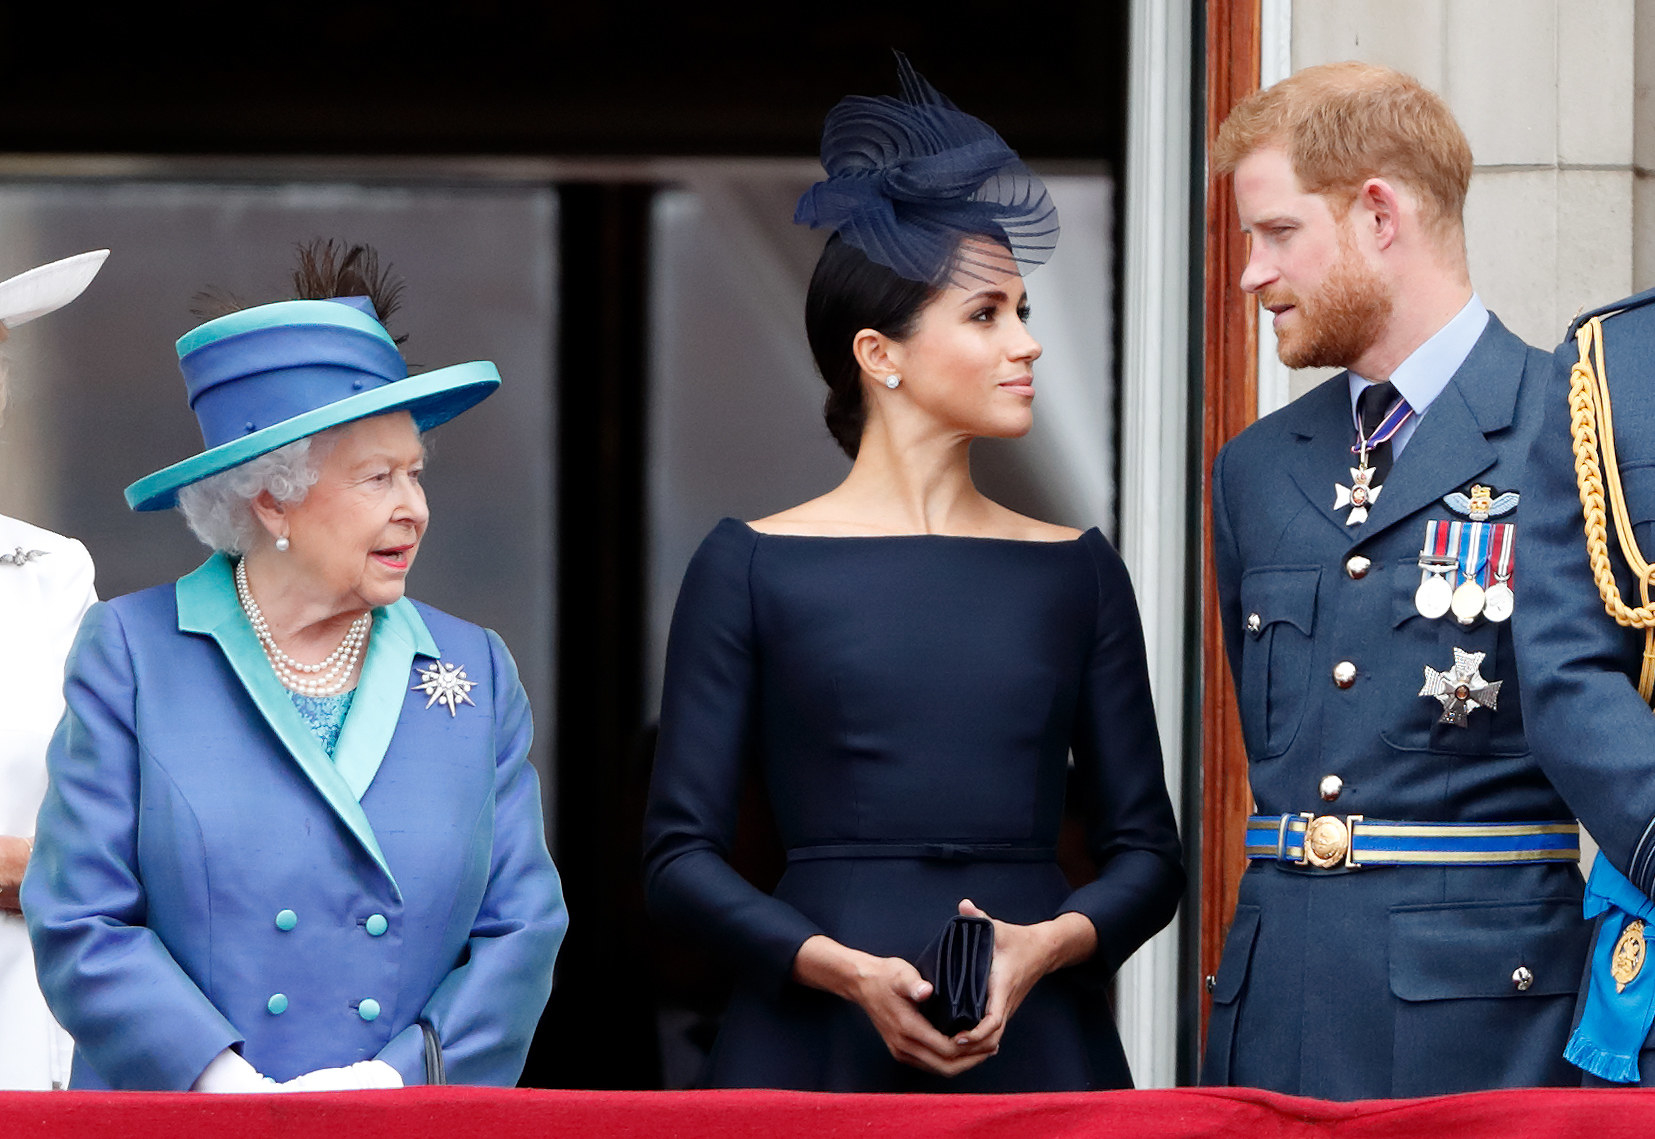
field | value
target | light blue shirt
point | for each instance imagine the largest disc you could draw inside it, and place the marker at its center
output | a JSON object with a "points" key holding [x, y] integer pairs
{"points": [[1422, 376]]}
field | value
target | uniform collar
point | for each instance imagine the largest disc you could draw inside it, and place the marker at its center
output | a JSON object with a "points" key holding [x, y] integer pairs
{"points": [[207, 604], [1421, 377], [1450, 447]]}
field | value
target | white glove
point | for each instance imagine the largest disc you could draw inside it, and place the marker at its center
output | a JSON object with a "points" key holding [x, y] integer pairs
{"points": [[228, 1072], [362, 1074]]}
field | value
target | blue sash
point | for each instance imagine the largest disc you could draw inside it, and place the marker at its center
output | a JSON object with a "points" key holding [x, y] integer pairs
{"points": [[1613, 1025]]}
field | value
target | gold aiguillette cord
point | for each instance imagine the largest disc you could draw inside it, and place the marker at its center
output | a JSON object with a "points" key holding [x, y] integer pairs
{"points": [[1591, 427]]}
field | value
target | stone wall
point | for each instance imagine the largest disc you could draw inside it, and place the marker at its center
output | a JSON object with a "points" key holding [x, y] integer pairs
{"points": [[1557, 101]]}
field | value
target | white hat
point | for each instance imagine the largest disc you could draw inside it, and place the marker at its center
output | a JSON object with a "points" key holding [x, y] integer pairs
{"points": [[47, 288]]}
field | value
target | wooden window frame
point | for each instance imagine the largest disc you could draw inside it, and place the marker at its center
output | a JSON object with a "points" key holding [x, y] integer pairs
{"points": [[1230, 403]]}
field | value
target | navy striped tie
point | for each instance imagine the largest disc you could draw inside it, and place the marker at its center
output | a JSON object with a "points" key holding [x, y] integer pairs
{"points": [[1371, 406]]}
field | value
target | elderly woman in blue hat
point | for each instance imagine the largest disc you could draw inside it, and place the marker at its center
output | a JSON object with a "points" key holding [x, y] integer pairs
{"points": [[291, 836]]}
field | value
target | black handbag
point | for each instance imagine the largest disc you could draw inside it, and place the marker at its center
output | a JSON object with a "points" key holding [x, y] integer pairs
{"points": [[956, 962], [435, 1073]]}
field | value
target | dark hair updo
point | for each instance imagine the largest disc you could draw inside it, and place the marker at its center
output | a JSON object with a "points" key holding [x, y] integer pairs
{"points": [[849, 292]]}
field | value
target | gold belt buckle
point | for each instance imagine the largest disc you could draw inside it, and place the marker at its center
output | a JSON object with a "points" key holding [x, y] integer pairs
{"points": [[1327, 841]]}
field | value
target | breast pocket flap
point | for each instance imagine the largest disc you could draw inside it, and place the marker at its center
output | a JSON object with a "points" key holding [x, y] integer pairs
{"points": [[1406, 576], [1285, 595]]}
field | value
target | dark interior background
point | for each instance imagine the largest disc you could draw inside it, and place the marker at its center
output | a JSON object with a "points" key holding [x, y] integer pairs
{"points": [[197, 82], [488, 77]]}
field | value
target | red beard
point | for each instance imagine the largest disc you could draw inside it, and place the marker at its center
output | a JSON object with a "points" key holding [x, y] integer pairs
{"points": [[1338, 322]]}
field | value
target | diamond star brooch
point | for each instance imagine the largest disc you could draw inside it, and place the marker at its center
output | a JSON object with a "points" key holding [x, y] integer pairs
{"points": [[445, 684]]}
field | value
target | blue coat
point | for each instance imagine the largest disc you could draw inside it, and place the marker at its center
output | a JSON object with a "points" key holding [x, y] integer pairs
{"points": [[204, 877], [1579, 667], [1385, 981]]}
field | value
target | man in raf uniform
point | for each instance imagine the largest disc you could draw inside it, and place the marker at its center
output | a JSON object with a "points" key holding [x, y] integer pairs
{"points": [[1410, 921], [1586, 644]]}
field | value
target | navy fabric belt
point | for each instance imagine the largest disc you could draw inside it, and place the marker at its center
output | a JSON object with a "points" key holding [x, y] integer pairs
{"points": [[938, 851], [1350, 841]]}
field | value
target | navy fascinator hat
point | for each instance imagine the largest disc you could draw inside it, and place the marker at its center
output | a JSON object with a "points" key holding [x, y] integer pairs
{"points": [[909, 178]]}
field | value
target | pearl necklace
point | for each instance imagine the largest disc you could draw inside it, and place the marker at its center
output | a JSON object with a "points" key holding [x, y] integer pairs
{"points": [[327, 678]]}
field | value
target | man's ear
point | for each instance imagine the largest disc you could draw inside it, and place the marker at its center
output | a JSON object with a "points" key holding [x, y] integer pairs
{"points": [[1380, 208]]}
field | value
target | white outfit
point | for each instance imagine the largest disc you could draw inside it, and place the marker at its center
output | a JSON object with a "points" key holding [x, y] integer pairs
{"points": [[41, 604]]}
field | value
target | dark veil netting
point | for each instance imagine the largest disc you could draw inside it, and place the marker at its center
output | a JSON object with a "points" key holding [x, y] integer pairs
{"points": [[909, 178]]}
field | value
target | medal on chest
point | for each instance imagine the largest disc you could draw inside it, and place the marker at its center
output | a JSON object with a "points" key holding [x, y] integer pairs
{"points": [[1470, 541], [1499, 601], [1359, 495], [1363, 491], [1466, 563], [1436, 591], [1462, 689]]}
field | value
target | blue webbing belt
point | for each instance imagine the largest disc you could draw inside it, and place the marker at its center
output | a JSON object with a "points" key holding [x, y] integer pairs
{"points": [[1384, 842]]}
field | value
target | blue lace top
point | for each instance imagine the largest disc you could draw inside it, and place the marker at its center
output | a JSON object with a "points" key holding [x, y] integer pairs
{"points": [[324, 715]]}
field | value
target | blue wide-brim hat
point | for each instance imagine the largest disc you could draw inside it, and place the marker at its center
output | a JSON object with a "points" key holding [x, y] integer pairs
{"points": [[265, 377]]}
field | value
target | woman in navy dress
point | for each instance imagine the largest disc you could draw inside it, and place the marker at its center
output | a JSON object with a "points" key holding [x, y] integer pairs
{"points": [[910, 665]]}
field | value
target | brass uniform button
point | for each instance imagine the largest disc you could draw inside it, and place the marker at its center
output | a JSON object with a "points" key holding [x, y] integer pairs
{"points": [[1330, 787], [1522, 978], [1357, 567], [1344, 674]]}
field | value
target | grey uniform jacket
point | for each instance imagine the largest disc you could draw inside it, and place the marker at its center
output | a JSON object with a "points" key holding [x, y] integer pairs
{"points": [[1385, 981]]}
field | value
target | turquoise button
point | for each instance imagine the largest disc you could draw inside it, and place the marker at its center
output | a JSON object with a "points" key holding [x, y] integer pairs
{"points": [[368, 1009], [377, 925], [286, 920], [277, 1004]]}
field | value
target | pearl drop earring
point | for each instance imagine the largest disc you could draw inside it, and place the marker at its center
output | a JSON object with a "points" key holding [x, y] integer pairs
{"points": [[892, 381], [281, 545]]}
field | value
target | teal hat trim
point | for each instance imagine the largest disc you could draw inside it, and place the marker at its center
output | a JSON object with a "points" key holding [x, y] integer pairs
{"points": [[431, 397], [283, 314]]}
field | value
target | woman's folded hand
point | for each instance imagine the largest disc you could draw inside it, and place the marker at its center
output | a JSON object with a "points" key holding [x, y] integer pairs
{"points": [[229, 1072], [354, 1077], [889, 990], [1022, 955]]}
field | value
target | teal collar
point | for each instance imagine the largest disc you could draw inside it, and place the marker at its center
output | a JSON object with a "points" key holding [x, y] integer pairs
{"points": [[207, 604]]}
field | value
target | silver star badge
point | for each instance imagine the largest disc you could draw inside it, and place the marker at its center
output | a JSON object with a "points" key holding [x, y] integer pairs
{"points": [[1461, 688], [445, 684], [1358, 496], [20, 556]]}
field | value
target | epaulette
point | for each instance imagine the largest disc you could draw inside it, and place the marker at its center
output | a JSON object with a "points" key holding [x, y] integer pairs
{"points": [[1613, 308]]}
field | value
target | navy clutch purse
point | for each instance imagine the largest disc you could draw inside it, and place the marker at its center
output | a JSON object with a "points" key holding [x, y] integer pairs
{"points": [[956, 963]]}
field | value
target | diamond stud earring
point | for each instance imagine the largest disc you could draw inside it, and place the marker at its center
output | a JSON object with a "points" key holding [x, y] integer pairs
{"points": [[892, 381]]}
